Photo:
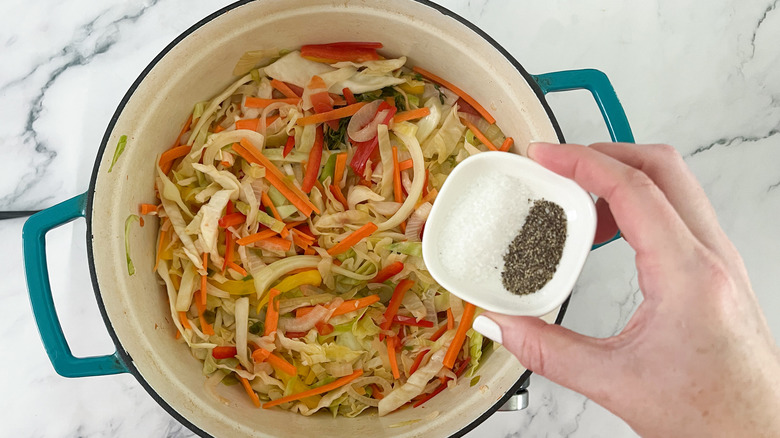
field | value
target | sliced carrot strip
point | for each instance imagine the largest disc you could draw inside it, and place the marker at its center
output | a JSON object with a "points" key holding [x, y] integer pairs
{"points": [[345, 307], [316, 391], [341, 165], [506, 144], [275, 243], [388, 271], [450, 320], [147, 208], [353, 239], [168, 157], [336, 114], [405, 164], [238, 269], [393, 359], [260, 355], [471, 101], [411, 114], [439, 332], [336, 191], [249, 390], [205, 327], [460, 335], [183, 130], [397, 177], [258, 102], [279, 362], [479, 134], [417, 361], [184, 321], [284, 89], [252, 238]]}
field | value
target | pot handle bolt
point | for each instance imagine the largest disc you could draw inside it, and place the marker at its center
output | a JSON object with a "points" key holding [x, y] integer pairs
{"points": [[518, 401]]}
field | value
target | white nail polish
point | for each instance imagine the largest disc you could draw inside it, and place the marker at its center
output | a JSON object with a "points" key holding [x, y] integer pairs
{"points": [[488, 328]]}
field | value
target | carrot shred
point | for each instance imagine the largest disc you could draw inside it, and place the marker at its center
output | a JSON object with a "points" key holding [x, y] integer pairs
{"points": [[272, 314], [439, 332], [450, 319], [184, 321], [252, 238], [316, 391], [405, 164], [353, 239], [417, 361], [377, 391], [479, 134], [258, 102], [300, 242], [278, 180], [183, 130], [250, 124], [335, 114], [411, 114], [260, 355], [460, 335], [159, 250], [338, 171], [218, 129], [249, 390], [147, 208], [395, 303], [506, 144], [393, 359], [275, 244], [205, 327], [471, 101], [168, 157], [279, 362], [203, 279], [345, 307], [303, 235], [309, 251], [397, 177], [284, 89], [237, 268], [336, 191]]}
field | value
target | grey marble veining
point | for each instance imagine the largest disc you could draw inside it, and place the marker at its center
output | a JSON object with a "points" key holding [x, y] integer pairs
{"points": [[701, 77]]}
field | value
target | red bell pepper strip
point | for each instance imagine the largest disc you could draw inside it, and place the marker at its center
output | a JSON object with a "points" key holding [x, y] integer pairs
{"points": [[417, 361], [395, 304], [315, 160], [348, 96], [335, 52], [463, 365], [387, 272], [288, 147], [365, 150], [231, 220], [223, 352], [323, 328], [407, 320]]}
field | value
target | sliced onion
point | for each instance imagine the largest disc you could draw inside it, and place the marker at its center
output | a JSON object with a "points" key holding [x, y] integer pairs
{"points": [[415, 223], [387, 387], [364, 122], [306, 322]]}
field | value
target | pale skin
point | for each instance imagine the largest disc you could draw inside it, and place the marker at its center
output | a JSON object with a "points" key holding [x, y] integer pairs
{"points": [[697, 357]]}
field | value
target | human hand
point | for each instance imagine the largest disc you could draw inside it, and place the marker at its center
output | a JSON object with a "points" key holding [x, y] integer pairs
{"points": [[697, 357]]}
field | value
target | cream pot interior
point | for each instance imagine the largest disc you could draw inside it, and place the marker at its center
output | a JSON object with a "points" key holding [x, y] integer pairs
{"points": [[195, 68]]}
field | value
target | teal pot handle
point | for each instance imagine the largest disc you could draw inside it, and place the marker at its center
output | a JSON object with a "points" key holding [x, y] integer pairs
{"points": [[599, 86], [39, 287]]}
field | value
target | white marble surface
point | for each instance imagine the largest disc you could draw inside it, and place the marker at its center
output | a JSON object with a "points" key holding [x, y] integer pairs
{"points": [[701, 77]]}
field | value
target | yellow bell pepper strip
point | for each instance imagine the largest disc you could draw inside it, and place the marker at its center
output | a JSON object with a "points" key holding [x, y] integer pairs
{"points": [[238, 287], [312, 278]]}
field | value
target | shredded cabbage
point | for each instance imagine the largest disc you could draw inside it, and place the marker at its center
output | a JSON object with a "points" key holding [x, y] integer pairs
{"points": [[264, 225]]}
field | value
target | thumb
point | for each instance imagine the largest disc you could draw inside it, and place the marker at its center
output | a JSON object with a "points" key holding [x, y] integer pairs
{"points": [[572, 360]]}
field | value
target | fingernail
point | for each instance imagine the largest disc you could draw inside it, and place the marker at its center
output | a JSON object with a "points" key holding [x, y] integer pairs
{"points": [[488, 328], [533, 148]]}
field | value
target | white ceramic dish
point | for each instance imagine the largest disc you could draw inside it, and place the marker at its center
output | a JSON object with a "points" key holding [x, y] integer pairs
{"points": [[491, 295]]}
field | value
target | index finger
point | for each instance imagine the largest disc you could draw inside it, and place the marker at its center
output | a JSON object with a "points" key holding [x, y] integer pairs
{"points": [[646, 218]]}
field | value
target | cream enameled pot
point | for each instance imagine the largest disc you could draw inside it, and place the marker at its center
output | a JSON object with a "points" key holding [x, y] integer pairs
{"points": [[195, 67]]}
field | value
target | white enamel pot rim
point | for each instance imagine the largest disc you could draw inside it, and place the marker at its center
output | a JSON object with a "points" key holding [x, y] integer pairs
{"points": [[150, 113]]}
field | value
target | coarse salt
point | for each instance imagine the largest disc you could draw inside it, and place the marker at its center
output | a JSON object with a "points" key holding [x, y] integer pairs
{"points": [[480, 227]]}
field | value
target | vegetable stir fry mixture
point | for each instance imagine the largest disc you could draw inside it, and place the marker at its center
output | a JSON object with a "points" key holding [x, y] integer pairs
{"points": [[291, 212]]}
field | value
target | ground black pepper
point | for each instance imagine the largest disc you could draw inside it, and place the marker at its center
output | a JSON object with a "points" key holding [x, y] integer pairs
{"points": [[532, 257]]}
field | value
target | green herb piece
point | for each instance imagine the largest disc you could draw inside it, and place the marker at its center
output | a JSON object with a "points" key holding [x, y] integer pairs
{"points": [[475, 380], [120, 147], [329, 169], [335, 137], [128, 222]]}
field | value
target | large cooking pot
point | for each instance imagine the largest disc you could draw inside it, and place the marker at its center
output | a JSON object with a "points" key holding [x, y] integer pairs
{"points": [[196, 66]]}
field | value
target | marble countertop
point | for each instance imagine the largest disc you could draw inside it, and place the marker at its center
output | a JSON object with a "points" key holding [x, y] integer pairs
{"points": [[702, 78]]}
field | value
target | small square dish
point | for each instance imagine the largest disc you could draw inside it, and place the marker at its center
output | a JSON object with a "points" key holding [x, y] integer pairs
{"points": [[480, 211]]}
